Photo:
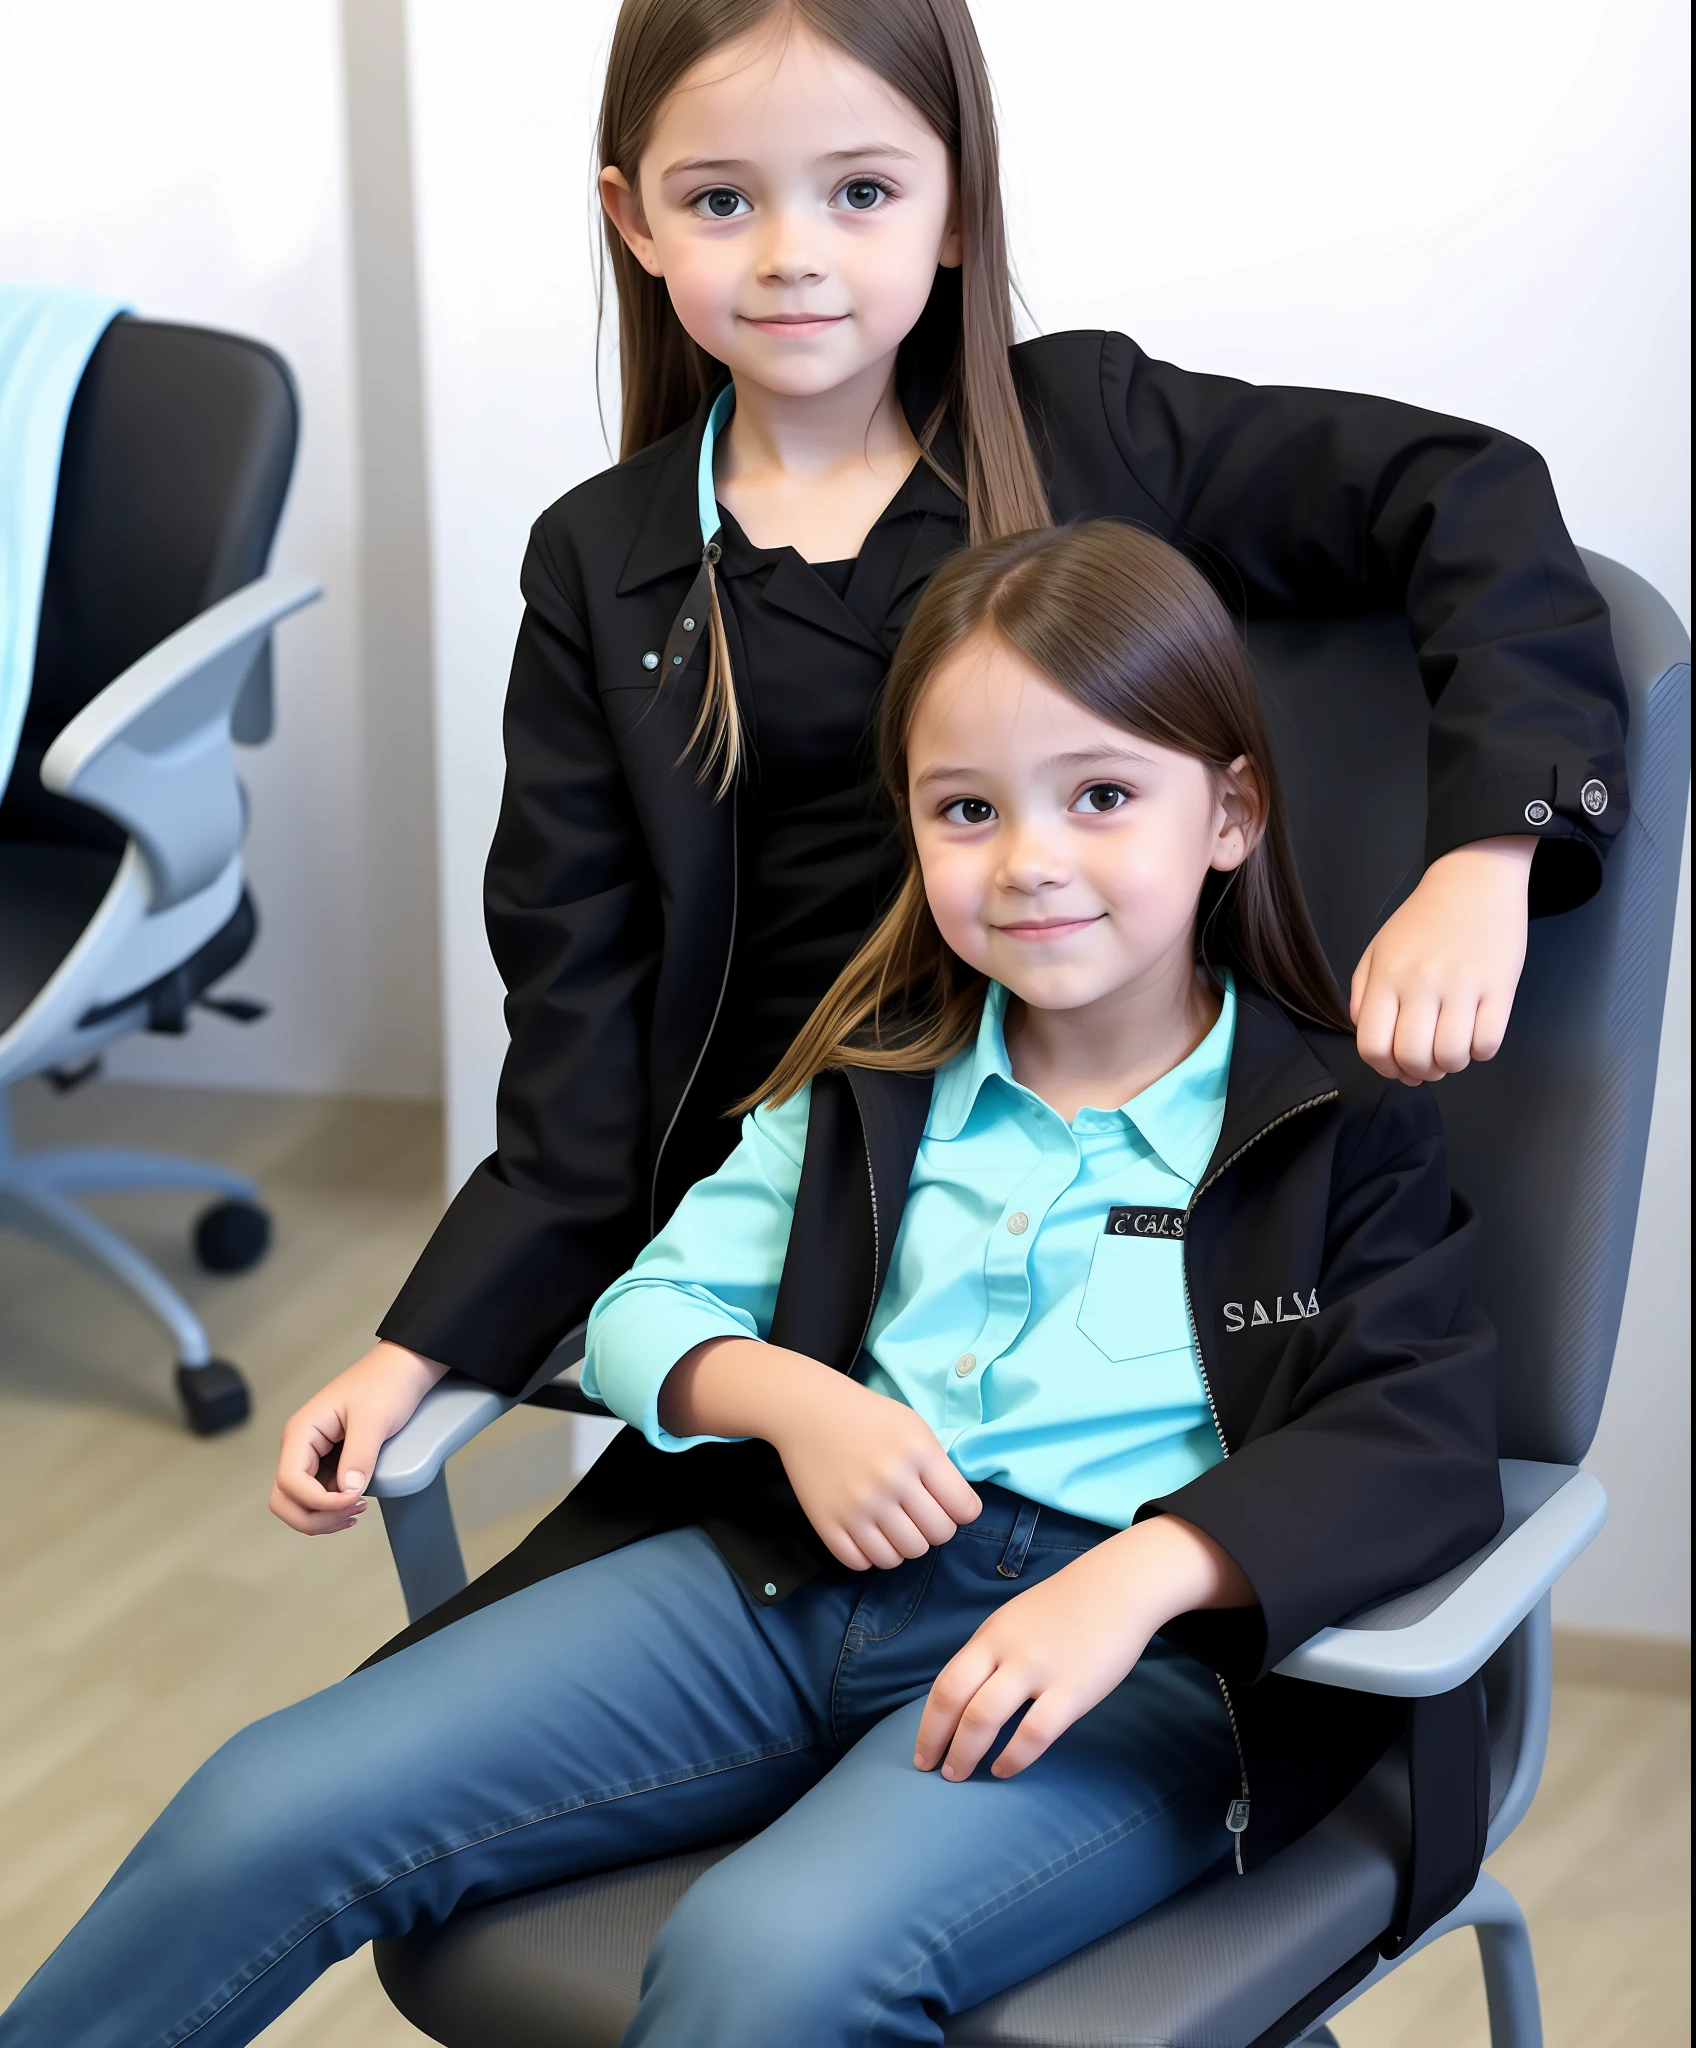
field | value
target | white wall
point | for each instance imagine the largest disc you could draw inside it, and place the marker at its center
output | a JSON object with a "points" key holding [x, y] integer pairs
{"points": [[1477, 205], [1481, 206], [503, 108], [191, 156]]}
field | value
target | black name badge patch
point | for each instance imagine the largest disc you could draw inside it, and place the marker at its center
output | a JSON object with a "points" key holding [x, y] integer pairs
{"points": [[1145, 1223]]}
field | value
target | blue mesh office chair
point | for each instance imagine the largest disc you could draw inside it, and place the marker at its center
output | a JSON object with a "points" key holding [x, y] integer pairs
{"points": [[1548, 1140]]}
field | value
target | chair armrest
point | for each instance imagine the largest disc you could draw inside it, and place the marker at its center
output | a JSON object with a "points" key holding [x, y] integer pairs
{"points": [[456, 1409], [153, 749], [449, 1416], [1435, 1638]]}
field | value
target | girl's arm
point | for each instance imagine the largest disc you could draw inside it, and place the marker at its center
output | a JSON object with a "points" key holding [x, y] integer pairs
{"points": [[1064, 1645], [869, 1473], [1333, 502], [1382, 1472], [560, 1206], [677, 1348], [1320, 501]]}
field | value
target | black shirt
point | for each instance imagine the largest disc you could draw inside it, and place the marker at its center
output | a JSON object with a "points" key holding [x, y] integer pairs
{"points": [[817, 853]]}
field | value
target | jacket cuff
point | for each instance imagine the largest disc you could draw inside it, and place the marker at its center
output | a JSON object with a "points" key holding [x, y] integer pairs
{"points": [[504, 1277], [1241, 1643], [1573, 810]]}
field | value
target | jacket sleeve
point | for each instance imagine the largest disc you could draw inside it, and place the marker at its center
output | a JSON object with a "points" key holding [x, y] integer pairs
{"points": [[544, 1223], [1302, 500], [1380, 1472]]}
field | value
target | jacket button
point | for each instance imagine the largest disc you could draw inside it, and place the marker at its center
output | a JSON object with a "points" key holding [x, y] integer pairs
{"points": [[1594, 796], [688, 625], [651, 659], [1018, 1223], [965, 1363], [1537, 812], [771, 1590]]}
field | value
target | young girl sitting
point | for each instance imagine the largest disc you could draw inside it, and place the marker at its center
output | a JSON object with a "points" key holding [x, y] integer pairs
{"points": [[1078, 1325]]}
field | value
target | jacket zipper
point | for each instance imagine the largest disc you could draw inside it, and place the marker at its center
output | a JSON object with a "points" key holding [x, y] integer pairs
{"points": [[877, 1237], [1236, 1814], [712, 1025]]}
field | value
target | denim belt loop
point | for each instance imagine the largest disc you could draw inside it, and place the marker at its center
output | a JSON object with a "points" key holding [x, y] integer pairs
{"points": [[1019, 1541]]}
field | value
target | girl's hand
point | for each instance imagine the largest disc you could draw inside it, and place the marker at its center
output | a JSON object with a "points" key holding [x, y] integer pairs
{"points": [[356, 1414], [868, 1472], [875, 1483], [1434, 990], [1067, 1642]]}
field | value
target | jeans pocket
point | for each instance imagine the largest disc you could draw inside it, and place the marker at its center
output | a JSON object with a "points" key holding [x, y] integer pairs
{"points": [[891, 1600], [1133, 1302]]}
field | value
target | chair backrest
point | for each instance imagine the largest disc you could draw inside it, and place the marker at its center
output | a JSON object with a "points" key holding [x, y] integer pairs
{"points": [[1548, 1138], [176, 460]]}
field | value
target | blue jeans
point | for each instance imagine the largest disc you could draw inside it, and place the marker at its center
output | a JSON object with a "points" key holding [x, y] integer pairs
{"points": [[640, 1704]]}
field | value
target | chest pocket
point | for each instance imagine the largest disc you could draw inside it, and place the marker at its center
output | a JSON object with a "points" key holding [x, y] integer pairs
{"points": [[1134, 1297]]}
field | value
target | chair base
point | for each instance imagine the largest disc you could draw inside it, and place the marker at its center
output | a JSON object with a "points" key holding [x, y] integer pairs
{"points": [[35, 1200], [214, 1396]]}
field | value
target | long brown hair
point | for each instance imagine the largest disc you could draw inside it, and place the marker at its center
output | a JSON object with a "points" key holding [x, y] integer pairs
{"points": [[1135, 633], [927, 50]]}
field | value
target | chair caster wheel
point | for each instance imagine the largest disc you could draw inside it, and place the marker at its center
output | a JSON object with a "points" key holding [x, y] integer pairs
{"points": [[214, 1396], [231, 1236]]}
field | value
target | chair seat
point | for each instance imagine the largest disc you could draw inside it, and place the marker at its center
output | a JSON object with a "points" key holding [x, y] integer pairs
{"points": [[47, 896], [1214, 1967]]}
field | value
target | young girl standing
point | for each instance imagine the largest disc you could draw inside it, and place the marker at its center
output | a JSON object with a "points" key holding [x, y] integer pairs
{"points": [[998, 1491], [821, 405]]}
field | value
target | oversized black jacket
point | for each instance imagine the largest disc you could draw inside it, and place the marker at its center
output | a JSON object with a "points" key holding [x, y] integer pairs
{"points": [[1352, 1381], [611, 889]]}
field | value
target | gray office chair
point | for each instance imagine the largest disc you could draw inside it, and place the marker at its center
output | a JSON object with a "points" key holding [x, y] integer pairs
{"points": [[122, 895], [1548, 1139]]}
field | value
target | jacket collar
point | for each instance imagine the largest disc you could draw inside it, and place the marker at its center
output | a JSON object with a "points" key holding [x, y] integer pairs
{"points": [[1274, 1072]]}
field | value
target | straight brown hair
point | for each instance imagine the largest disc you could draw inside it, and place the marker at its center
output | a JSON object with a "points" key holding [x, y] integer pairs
{"points": [[1135, 633], [928, 51]]}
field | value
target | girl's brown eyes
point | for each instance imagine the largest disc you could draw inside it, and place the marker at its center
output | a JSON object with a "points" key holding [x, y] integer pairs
{"points": [[969, 810], [1101, 797]]}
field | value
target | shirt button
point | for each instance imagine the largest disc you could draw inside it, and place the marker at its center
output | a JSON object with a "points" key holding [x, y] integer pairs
{"points": [[651, 659], [1018, 1223], [965, 1363]]}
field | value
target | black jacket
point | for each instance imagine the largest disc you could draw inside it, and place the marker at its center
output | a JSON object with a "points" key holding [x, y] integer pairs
{"points": [[611, 891], [1352, 1381]]}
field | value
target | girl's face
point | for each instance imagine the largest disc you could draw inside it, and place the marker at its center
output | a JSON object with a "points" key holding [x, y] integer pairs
{"points": [[797, 208], [1062, 855]]}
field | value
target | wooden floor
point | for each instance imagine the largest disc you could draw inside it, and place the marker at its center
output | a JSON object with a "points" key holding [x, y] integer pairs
{"points": [[151, 1606]]}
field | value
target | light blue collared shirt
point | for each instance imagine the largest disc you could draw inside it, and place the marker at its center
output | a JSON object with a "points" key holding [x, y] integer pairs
{"points": [[1032, 1315]]}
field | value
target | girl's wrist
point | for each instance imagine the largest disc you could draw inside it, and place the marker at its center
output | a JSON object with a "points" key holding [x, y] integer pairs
{"points": [[738, 1387], [1168, 1567]]}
